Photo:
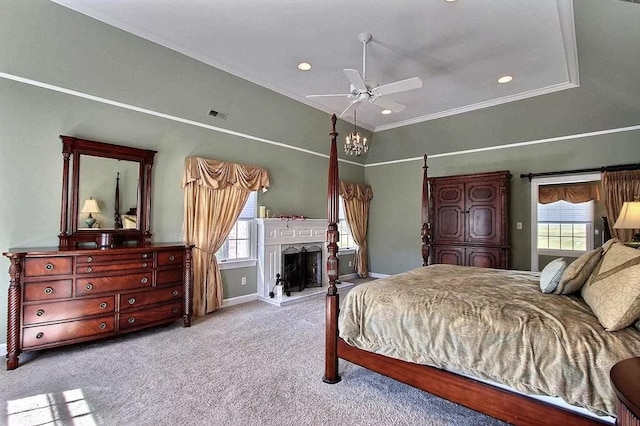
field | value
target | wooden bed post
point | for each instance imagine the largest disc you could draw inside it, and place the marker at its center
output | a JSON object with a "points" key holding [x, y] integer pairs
{"points": [[332, 300], [427, 258]]}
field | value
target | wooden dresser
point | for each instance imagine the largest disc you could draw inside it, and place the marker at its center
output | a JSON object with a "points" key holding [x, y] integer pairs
{"points": [[63, 296], [469, 222]]}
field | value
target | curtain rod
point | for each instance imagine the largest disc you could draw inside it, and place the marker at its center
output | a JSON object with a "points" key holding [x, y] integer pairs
{"points": [[617, 168]]}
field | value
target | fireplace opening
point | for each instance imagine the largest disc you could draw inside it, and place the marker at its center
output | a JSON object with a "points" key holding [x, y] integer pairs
{"points": [[301, 268]]}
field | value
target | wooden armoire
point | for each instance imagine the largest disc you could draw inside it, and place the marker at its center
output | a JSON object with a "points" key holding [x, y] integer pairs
{"points": [[469, 220]]}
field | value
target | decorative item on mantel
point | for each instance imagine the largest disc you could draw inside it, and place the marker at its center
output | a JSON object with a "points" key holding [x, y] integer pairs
{"points": [[90, 206], [291, 217], [354, 143], [629, 218]]}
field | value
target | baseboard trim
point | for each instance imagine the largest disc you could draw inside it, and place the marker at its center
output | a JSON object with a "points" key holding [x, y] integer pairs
{"points": [[376, 275], [347, 277], [239, 300]]}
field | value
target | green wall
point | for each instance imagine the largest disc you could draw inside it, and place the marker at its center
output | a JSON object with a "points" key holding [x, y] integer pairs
{"points": [[50, 44], [607, 101], [134, 82]]}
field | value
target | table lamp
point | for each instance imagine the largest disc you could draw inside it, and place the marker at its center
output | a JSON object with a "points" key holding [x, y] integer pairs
{"points": [[629, 218], [90, 206]]}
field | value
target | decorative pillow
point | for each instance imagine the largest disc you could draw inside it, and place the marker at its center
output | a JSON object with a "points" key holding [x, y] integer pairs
{"points": [[613, 289], [578, 271], [551, 274]]}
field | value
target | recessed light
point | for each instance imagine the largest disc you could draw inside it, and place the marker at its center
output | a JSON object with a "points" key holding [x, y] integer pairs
{"points": [[386, 111], [505, 79], [304, 66]]}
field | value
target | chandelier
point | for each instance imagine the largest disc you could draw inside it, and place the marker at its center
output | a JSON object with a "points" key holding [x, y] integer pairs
{"points": [[355, 144]]}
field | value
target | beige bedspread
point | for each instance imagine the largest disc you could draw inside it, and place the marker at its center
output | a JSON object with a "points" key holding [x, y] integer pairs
{"points": [[491, 324]]}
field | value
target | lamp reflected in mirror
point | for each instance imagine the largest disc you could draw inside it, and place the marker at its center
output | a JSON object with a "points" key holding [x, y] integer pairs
{"points": [[629, 218], [90, 206]]}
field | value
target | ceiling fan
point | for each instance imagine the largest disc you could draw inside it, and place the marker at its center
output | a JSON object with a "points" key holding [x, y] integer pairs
{"points": [[363, 90]]}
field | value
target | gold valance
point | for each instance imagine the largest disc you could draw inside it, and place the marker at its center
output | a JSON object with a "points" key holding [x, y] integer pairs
{"points": [[571, 193], [360, 191], [219, 174]]}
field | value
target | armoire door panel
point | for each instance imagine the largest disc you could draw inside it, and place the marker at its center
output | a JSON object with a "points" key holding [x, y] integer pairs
{"points": [[450, 225], [483, 225], [483, 257], [450, 255]]}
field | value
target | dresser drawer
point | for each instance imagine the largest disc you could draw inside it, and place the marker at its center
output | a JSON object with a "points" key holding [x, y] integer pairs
{"points": [[140, 318], [93, 268], [96, 285], [143, 298], [48, 290], [56, 311], [170, 257], [169, 276], [47, 266], [115, 257], [55, 333]]}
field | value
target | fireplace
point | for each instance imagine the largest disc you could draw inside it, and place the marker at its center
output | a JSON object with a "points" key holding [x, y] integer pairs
{"points": [[301, 268], [286, 248]]}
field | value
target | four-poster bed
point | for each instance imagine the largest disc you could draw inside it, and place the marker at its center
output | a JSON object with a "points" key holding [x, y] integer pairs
{"points": [[504, 404]]}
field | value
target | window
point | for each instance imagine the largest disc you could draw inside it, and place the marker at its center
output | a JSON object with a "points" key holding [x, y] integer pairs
{"points": [[346, 239], [564, 226], [561, 228], [239, 243]]}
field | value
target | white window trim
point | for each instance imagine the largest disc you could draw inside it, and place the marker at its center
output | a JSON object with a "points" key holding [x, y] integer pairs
{"points": [[246, 262], [535, 183]]}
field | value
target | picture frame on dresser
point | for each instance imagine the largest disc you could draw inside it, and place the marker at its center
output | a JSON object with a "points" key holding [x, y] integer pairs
{"points": [[97, 283]]}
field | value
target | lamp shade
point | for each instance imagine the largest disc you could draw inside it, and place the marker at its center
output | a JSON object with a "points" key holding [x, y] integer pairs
{"points": [[629, 217], [90, 206]]}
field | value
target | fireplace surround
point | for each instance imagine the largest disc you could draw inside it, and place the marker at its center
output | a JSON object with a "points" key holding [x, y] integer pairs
{"points": [[301, 242]]}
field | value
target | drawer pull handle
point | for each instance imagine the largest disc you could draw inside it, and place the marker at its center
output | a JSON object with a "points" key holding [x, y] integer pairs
{"points": [[174, 310], [89, 259], [102, 325], [48, 290], [144, 280], [89, 269], [144, 265], [131, 320], [103, 305], [49, 266], [40, 335], [89, 286], [172, 258], [174, 292], [39, 312], [132, 300], [145, 255]]}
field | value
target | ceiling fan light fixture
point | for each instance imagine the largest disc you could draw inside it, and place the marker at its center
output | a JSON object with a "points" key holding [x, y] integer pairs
{"points": [[505, 79], [386, 112], [304, 66]]}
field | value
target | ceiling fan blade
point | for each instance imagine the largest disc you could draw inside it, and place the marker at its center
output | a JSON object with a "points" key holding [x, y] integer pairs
{"points": [[351, 106], [331, 94], [356, 79], [387, 104], [398, 86]]}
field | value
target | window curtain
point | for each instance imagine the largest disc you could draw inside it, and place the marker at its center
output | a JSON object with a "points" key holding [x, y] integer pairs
{"points": [[214, 194], [571, 193], [620, 187], [356, 198]]}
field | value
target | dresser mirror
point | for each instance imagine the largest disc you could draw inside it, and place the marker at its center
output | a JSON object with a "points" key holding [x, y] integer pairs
{"points": [[106, 194]]}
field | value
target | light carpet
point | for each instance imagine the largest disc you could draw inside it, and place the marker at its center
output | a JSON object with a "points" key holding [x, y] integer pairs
{"points": [[250, 364]]}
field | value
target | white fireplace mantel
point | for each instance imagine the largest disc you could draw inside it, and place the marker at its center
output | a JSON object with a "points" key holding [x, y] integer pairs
{"points": [[274, 236]]}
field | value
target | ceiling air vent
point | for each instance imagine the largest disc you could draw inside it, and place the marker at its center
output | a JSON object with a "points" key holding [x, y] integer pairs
{"points": [[217, 114]]}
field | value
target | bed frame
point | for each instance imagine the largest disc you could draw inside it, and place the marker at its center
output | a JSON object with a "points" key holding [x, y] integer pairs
{"points": [[493, 401]]}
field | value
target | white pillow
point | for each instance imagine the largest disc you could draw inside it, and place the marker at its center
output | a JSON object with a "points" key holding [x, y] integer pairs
{"points": [[551, 274]]}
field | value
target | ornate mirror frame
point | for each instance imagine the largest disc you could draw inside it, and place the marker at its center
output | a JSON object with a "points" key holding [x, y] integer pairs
{"points": [[70, 235]]}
